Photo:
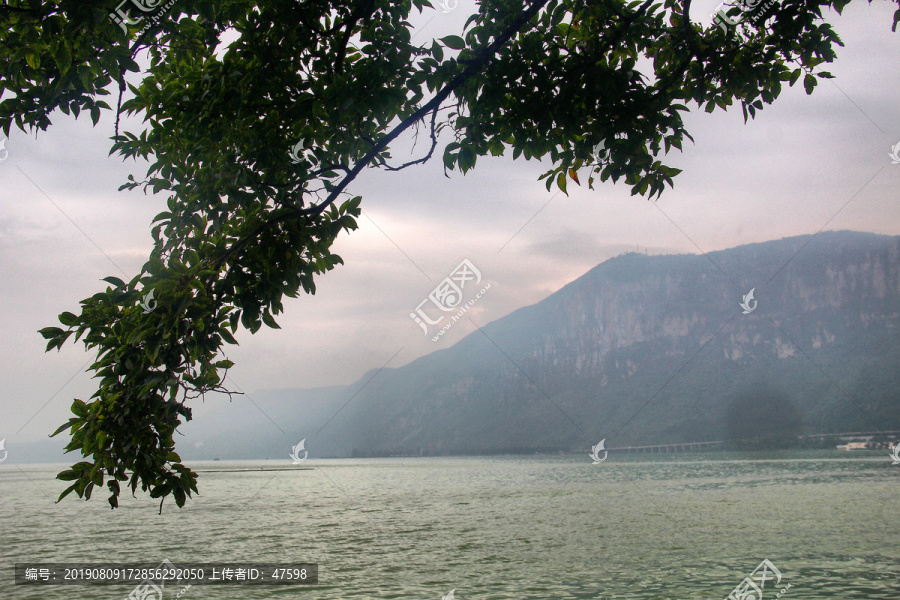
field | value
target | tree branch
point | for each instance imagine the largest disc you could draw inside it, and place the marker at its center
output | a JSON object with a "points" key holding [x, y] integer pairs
{"points": [[425, 158], [486, 55], [354, 18]]}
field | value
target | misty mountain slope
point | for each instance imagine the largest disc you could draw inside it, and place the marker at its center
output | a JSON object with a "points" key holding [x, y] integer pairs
{"points": [[253, 425], [645, 350]]}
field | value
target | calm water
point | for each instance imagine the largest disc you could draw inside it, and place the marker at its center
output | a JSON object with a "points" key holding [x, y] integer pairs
{"points": [[638, 527]]}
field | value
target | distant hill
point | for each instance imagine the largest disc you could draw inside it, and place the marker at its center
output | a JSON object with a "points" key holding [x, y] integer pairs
{"points": [[640, 350]]}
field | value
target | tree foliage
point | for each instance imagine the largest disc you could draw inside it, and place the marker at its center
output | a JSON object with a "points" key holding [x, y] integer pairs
{"points": [[257, 117]]}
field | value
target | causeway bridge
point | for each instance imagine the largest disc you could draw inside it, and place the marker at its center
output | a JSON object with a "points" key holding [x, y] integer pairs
{"points": [[684, 447]]}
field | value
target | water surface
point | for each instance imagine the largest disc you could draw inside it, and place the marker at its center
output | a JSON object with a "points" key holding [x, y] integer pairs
{"points": [[673, 526]]}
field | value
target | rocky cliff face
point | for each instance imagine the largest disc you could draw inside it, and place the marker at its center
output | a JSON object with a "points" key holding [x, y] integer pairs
{"points": [[648, 350], [668, 300]]}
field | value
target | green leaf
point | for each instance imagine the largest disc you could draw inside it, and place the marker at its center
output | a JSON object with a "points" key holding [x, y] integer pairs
{"points": [[114, 281], [454, 41], [68, 318], [437, 51], [67, 491], [79, 408], [51, 332], [226, 335], [269, 320], [67, 476], [809, 83], [561, 182], [63, 427], [466, 158], [62, 57]]}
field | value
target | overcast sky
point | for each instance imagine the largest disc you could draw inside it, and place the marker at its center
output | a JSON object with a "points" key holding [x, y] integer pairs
{"points": [[64, 226]]}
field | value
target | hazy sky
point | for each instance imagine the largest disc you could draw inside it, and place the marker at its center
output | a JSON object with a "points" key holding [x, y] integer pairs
{"points": [[63, 224]]}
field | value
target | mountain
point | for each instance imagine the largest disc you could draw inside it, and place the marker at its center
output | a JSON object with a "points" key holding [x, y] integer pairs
{"points": [[641, 350]]}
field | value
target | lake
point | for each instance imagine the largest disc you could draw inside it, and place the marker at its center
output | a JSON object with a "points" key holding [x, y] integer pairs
{"points": [[636, 526]]}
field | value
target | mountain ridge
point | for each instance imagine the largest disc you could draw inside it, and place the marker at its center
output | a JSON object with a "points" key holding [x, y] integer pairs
{"points": [[644, 349]]}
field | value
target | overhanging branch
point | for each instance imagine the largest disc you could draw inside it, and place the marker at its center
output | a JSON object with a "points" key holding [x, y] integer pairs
{"points": [[472, 68]]}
